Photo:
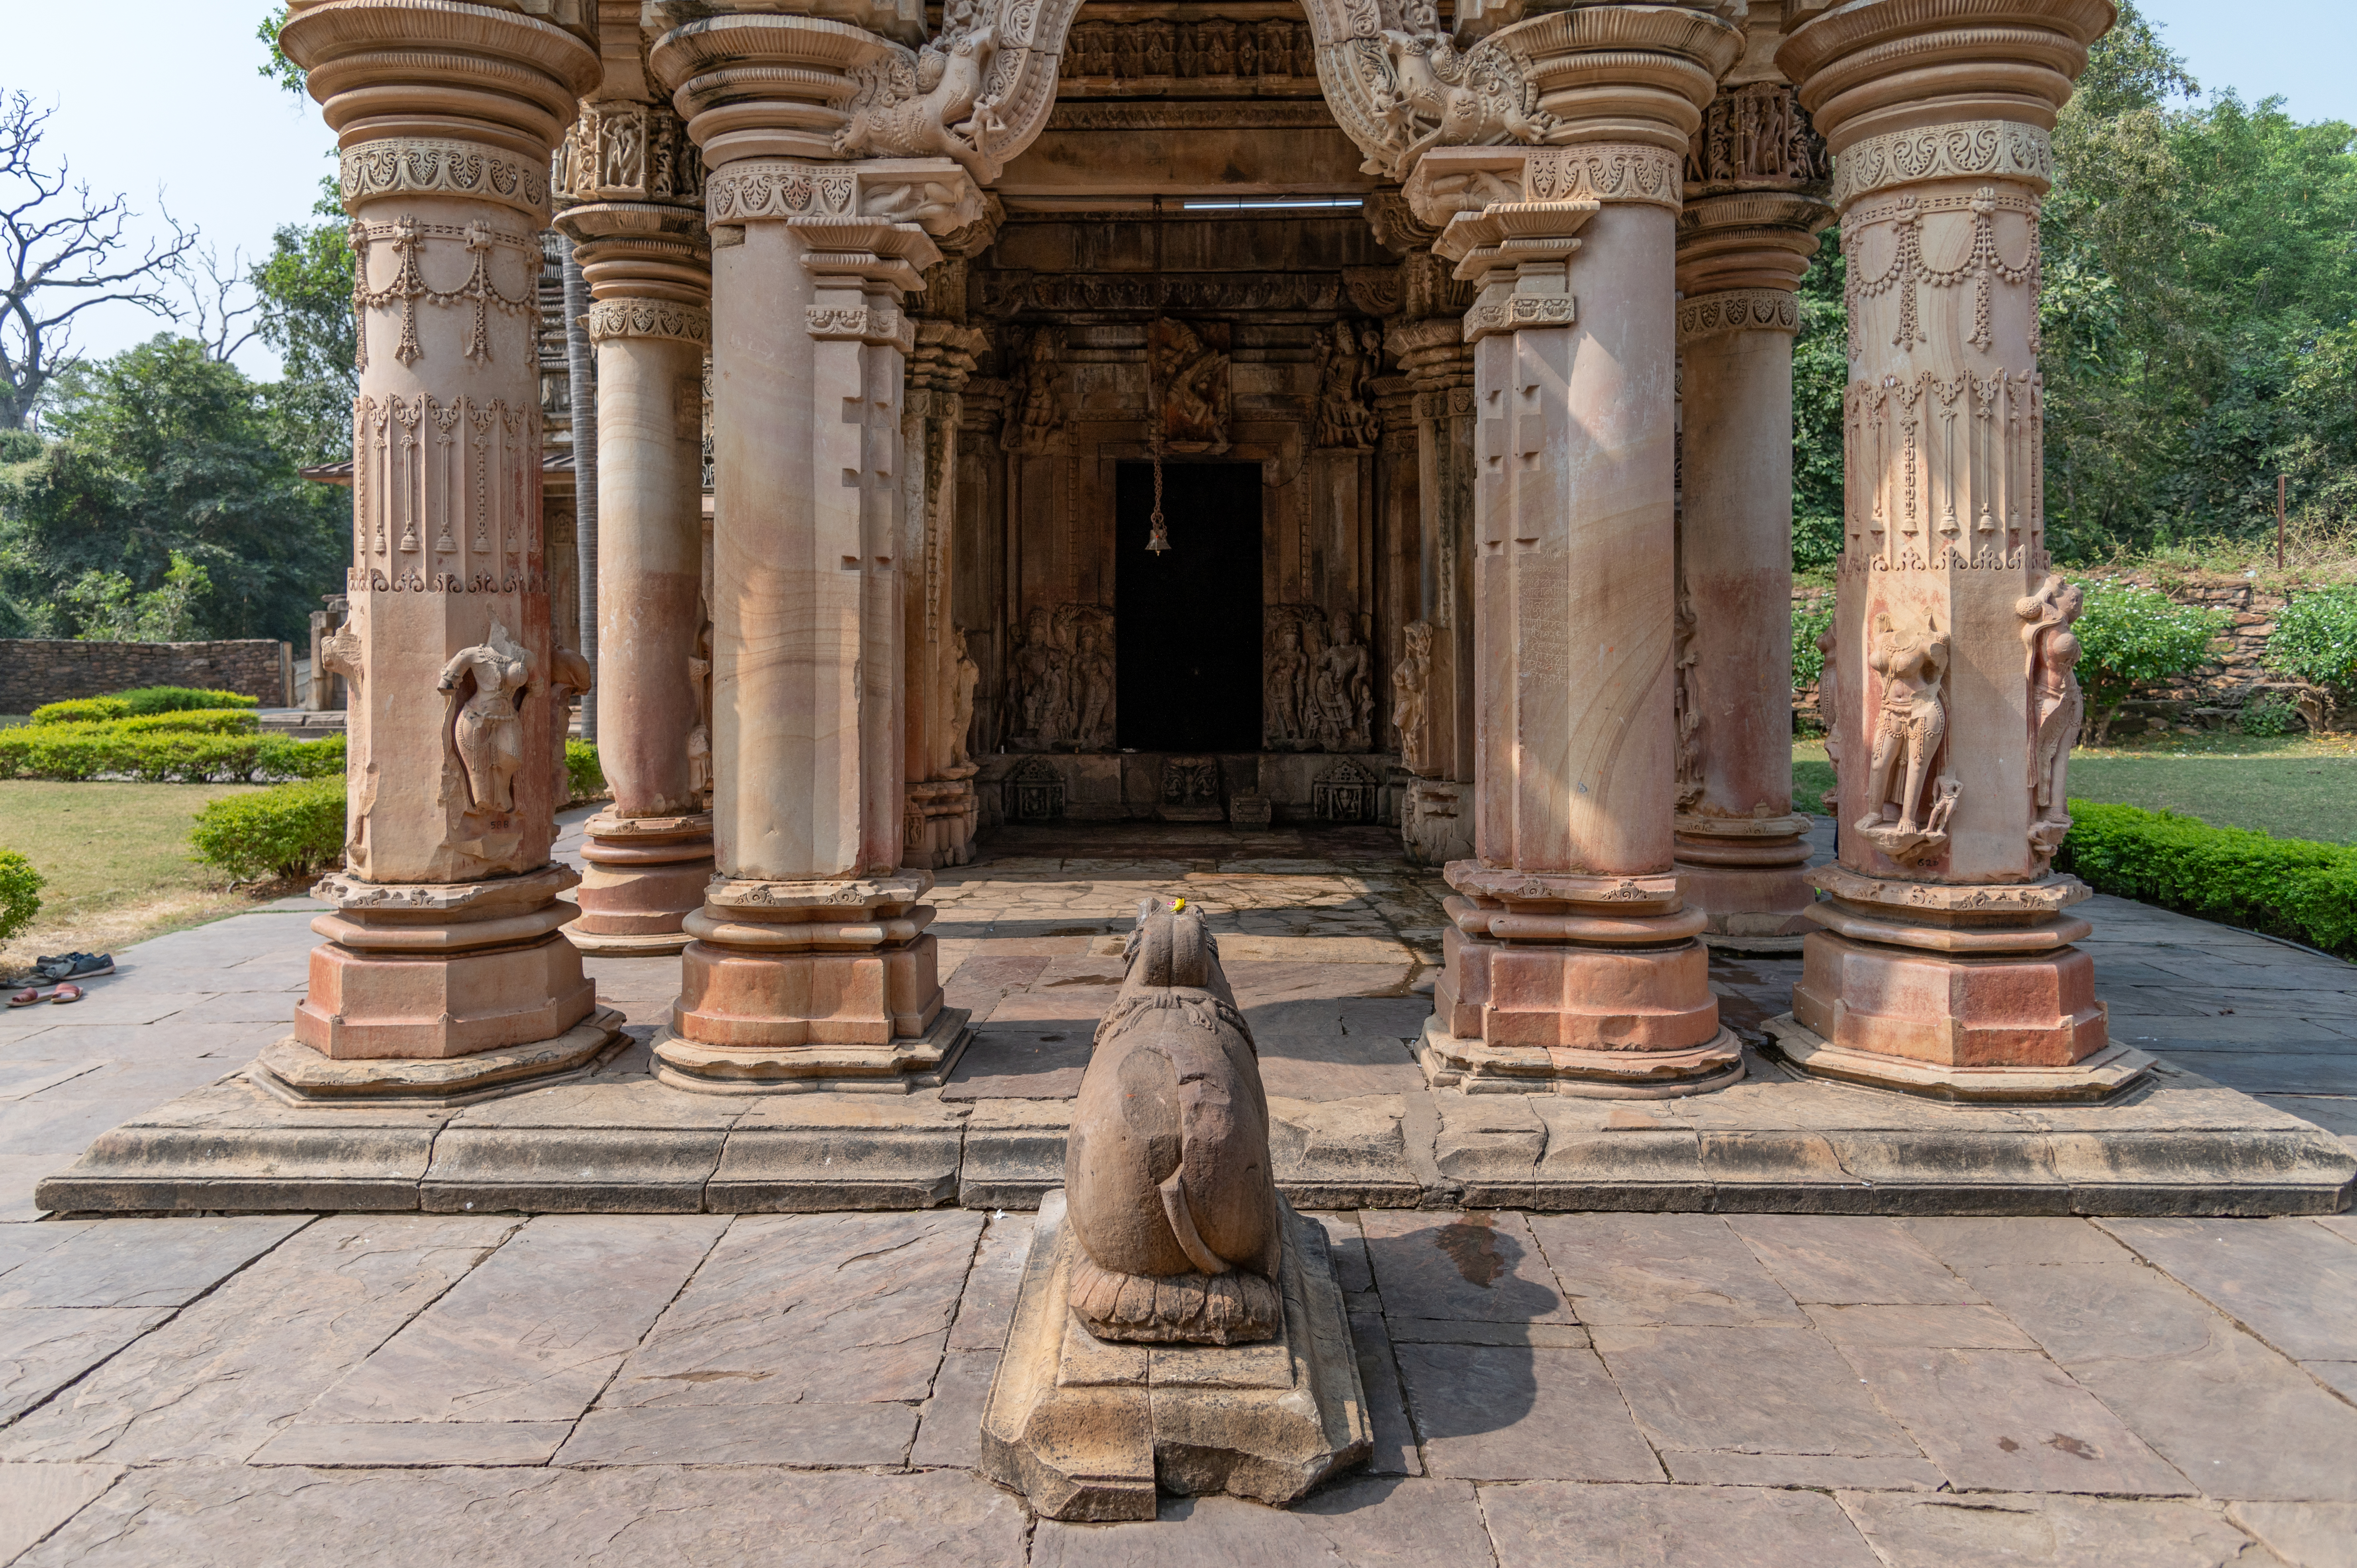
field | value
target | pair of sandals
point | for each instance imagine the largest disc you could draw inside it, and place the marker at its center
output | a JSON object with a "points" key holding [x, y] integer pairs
{"points": [[58, 971]]}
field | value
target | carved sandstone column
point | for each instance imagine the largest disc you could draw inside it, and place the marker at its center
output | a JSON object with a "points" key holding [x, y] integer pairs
{"points": [[445, 970], [1570, 963], [1437, 819], [1745, 238], [941, 813], [637, 183], [811, 961], [1944, 963]]}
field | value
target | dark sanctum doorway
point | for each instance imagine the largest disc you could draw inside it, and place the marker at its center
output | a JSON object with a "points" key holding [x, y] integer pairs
{"points": [[1187, 622]]}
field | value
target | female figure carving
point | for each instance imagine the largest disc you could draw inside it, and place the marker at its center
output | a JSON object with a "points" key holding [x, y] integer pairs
{"points": [[1288, 672], [1908, 728], [486, 732], [2056, 704], [1409, 682]]}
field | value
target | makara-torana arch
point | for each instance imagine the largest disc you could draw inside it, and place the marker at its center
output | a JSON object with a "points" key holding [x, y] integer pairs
{"points": [[1474, 462]]}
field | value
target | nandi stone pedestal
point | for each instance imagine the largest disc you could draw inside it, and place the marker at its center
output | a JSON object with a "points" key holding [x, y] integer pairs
{"points": [[1178, 1324]]}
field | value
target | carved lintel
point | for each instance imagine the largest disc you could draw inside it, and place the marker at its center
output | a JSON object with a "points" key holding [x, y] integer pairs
{"points": [[416, 165], [1512, 312], [658, 319], [1737, 310], [863, 324], [1972, 149]]}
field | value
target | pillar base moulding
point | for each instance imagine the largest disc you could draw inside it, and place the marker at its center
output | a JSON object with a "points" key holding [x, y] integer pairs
{"points": [[812, 985], [1747, 876], [646, 875], [1957, 992], [1581, 985], [939, 824], [440, 988]]}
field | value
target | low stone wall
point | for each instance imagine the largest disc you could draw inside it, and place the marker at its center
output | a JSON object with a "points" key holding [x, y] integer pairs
{"points": [[34, 671]]}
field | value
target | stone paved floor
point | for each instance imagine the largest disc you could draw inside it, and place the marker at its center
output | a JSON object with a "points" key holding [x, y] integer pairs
{"points": [[1633, 1390]]}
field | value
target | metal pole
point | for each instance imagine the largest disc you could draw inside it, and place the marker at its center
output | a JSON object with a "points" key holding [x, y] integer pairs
{"points": [[2281, 479]]}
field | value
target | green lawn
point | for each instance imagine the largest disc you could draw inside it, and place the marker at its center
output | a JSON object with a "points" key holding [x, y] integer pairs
{"points": [[115, 857], [2292, 787]]}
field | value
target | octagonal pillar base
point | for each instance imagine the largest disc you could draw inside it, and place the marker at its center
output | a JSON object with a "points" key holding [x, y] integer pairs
{"points": [[646, 875]]}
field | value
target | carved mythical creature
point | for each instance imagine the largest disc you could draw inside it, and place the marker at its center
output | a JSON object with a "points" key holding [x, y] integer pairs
{"points": [[1192, 379], [1410, 681], [2056, 703], [927, 104], [1908, 731], [1436, 96], [490, 680], [1167, 1171], [967, 676], [1345, 692]]}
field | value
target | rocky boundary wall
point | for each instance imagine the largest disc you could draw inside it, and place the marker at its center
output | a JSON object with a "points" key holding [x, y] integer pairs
{"points": [[34, 671]]}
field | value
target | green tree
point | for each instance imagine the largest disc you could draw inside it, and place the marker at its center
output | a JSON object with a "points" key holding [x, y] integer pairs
{"points": [[2129, 636], [164, 454], [305, 285], [1819, 380]]}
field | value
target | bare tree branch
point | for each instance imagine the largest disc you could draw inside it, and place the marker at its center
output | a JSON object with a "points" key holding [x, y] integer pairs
{"points": [[62, 252], [210, 309]]}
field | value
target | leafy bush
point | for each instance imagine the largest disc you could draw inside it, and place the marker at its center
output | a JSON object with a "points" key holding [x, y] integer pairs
{"points": [[81, 751], [20, 892], [139, 703], [2316, 638], [1809, 622], [2131, 633], [583, 776], [2268, 714], [289, 832], [2292, 887]]}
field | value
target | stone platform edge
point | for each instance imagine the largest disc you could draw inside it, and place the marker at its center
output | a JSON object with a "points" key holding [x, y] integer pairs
{"points": [[2177, 1144]]}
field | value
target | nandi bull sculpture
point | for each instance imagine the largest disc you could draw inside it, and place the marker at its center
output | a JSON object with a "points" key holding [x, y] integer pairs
{"points": [[1178, 1322]]}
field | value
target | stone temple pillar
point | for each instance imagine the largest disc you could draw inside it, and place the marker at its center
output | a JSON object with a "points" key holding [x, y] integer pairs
{"points": [[1436, 821], [1945, 963], [637, 183], [1570, 963], [445, 971], [1753, 175], [941, 813], [811, 961]]}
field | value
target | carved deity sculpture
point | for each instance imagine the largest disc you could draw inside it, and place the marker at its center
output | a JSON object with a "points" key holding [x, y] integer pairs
{"points": [[489, 682], [961, 703], [1191, 378], [1037, 418], [930, 103], [1040, 688], [571, 677], [1170, 1191], [1410, 681], [2055, 703], [1287, 685], [1908, 727], [1344, 691], [1344, 375], [699, 739], [1092, 693]]}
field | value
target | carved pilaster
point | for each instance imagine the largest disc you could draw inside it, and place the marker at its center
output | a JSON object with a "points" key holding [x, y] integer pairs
{"points": [[939, 813], [1940, 720]]}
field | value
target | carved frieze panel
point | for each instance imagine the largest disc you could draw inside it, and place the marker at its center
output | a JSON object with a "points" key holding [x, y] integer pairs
{"points": [[1270, 52], [445, 496], [1944, 467], [1992, 149], [1187, 362], [1757, 137], [1346, 792], [1349, 354], [1737, 310], [629, 152], [407, 165], [1317, 681], [1059, 682], [1007, 294]]}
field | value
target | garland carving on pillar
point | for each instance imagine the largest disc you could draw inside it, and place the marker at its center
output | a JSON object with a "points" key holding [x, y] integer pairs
{"points": [[408, 238], [2057, 706], [1984, 264], [1907, 808], [409, 165]]}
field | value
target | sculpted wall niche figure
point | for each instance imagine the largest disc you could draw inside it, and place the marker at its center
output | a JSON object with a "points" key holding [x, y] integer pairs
{"points": [[1037, 419], [1908, 727], [2055, 704], [1189, 366], [960, 704], [488, 685], [1409, 683], [1285, 686], [1756, 136], [1350, 358], [1167, 1173], [1060, 682], [1344, 691]]}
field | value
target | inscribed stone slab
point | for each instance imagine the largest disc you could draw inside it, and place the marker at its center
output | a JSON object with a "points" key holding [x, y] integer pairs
{"points": [[1648, 1270], [1488, 1414], [214, 1383], [1773, 1391], [534, 1333], [2001, 1531], [1642, 1527]]}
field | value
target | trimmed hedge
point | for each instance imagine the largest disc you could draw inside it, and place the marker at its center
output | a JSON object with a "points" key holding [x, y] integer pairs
{"points": [[20, 892], [2290, 887], [139, 703], [165, 755], [584, 779], [289, 832]]}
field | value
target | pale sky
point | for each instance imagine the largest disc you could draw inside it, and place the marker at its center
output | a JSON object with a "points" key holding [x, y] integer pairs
{"points": [[153, 92]]}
